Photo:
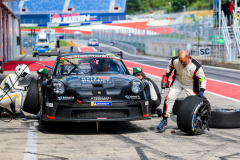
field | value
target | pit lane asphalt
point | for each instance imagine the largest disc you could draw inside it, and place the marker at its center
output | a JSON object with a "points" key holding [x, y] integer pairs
{"points": [[117, 140]]}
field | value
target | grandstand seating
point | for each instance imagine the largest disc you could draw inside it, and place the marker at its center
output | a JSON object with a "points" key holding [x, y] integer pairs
{"points": [[90, 5], [51, 6], [44, 6], [120, 3]]}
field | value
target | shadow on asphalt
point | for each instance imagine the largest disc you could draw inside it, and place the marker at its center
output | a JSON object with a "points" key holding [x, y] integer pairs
{"points": [[89, 128]]}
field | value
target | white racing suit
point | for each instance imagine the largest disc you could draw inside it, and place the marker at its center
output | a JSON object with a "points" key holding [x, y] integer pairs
{"points": [[11, 92], [154, 102], [185, 78]]}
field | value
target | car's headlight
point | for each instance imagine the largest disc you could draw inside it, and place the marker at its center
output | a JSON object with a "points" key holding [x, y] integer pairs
{"points": [[136, 86], [58, 87]]}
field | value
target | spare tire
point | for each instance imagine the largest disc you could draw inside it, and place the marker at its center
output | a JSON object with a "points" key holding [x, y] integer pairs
{"points": [[177, 105], [31, 104], [194, 115], [225, 118]]}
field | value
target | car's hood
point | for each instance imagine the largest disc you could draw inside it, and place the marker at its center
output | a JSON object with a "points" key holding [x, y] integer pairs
{"points": [[41, 49], [110, 81]]}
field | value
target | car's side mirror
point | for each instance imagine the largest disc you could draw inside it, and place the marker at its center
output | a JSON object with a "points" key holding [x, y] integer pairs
{"points": [[42, 72]]}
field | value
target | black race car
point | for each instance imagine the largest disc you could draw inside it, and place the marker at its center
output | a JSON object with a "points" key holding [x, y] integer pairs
{"points": [[88, 87]]}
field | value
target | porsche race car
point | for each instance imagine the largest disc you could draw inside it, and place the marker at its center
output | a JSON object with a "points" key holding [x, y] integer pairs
{"points": [[93, 42], [88, 87]]}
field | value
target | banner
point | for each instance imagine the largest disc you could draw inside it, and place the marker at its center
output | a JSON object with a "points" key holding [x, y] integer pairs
{"points": [[74, 18]]}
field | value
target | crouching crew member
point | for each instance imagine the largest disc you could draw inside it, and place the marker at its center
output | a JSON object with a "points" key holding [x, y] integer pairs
{"points": [[11, 91], [187, 75], [155, 100]]}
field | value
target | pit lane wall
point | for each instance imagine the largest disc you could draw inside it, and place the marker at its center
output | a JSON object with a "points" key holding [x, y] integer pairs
{"points": [[10, 40], [217, 56]]}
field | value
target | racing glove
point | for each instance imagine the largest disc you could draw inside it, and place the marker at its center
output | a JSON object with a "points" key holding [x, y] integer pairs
{"points": [[200, 94], [26, 88]]}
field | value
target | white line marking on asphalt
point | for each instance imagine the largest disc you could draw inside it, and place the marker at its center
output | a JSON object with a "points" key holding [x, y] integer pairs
{"points": [[79, 49], [31, 146]]}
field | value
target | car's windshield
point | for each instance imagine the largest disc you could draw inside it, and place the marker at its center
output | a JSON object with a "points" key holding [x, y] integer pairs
{"points": [[38, 46], [93, 40], [90, 65], [42, 40]]}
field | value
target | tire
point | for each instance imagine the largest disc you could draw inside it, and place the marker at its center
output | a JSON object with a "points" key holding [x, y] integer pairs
{"points": [[159, 112], [43, 104], [190, 113], [31, 104], [177, 105], [225, 118]]}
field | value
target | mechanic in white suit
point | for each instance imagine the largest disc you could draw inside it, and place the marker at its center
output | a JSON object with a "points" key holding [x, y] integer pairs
{"points": [[12, 92]]}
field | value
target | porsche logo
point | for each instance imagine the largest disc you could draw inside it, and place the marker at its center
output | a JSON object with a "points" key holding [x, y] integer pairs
{"points": [[99, 92]]}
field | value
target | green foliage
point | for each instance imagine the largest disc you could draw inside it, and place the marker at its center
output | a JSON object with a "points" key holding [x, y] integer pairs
{"points": [[133, 6], [176, 5]]}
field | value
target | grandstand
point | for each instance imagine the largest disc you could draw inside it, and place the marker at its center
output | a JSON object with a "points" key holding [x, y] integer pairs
{"points": [[57, 6], [38, 11]]}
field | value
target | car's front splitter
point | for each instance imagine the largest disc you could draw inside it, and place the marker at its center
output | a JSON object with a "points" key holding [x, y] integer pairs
{"points": [[97, 114]]}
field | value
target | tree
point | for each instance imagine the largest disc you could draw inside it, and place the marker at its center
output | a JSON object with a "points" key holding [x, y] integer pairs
{"points": [[133, 6]]}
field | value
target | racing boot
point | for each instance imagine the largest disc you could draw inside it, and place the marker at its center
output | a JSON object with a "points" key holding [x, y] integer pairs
{"points": [[162, 125], [20, 115]]}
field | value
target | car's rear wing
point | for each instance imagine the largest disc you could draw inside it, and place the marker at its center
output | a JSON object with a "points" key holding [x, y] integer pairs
{"points": [[50, 54], [120, 54]]}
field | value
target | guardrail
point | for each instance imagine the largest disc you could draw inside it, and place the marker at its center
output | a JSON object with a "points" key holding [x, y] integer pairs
{"points": [[122, 46]]}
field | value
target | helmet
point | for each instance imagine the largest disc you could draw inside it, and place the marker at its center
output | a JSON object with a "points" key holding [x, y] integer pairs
{"points": [[22, 70]]}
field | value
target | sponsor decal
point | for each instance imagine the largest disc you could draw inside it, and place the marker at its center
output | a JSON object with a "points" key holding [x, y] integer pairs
{"points": [[67, 98], [99, 80], [199, 105], [127, 96], [138, 68], [132, 97], [59, 98], [101, 103], [74, 18], [100, 99], [193, 121]]}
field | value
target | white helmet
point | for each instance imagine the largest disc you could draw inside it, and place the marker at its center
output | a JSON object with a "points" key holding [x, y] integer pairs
{"points": [[22, 70]]}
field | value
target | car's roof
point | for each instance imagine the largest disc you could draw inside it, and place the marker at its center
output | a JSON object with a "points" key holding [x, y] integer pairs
{"points": [[92, 39], [88, 53], [42, 44]]}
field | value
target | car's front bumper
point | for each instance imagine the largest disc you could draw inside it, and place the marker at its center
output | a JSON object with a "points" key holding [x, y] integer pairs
{"points": [[72, 113], [96, 44]]}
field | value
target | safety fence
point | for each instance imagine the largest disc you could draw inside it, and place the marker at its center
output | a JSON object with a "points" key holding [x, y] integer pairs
{"points": [[123, 46], [200, 39]]}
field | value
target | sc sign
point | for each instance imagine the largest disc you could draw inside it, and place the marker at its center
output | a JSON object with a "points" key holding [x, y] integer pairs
{"points": [[204, 51]]}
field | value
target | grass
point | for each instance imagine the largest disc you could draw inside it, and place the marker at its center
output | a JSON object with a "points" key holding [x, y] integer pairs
{"points": [[201, 13], [64, 44]]}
